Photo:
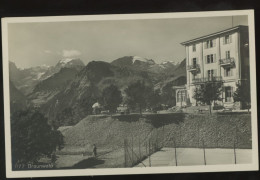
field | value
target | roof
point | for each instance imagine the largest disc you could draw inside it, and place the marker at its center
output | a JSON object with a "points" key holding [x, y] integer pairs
{"points": [[214, 34], [179, 87]]}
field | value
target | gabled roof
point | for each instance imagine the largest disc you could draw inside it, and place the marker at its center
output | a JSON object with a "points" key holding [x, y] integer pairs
{"points": [[213, 34]]}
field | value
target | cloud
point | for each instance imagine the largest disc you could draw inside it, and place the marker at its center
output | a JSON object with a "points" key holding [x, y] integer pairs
{"points": [[70, 53], [47, 51]]}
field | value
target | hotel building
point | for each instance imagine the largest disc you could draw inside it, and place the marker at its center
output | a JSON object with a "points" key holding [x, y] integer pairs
{"points": [[221, 56]]}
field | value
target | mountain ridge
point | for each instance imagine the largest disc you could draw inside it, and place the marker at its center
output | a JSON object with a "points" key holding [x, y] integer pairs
{"points": [[68, 95]]}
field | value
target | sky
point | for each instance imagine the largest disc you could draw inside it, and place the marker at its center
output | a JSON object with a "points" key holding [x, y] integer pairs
{"points": [[33, 44]]}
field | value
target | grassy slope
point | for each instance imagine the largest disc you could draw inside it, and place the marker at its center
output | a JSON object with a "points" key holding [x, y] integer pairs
{"points": [[108, 133], [187, 130]]}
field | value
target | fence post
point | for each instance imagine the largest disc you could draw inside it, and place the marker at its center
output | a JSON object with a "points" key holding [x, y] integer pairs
{"points": [[149, 154], [125, 152], [175, 152], [139, 148], [217, 133], [163, 136], [132, 149], [204, 152], [235, 157], [180, 134]]}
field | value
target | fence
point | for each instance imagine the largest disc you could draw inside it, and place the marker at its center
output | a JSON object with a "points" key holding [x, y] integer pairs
{"points": [[137, 148]]}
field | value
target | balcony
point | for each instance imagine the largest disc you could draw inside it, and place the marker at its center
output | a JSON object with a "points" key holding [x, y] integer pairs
{"points": [[228, 62], [207, 79], [194, 68]]}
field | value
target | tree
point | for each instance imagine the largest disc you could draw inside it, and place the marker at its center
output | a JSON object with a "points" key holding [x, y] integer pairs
{"points": [[137, 94], [243, 95], [168, 95], [32, 137], [111, 98], [197, 94], [154, 100], [208, 92]]}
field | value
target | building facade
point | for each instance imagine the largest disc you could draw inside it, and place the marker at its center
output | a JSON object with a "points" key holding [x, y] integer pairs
{"points": [[221, 56]]}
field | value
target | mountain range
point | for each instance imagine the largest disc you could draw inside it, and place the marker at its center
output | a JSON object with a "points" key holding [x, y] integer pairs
{"points": [[66, 92]]}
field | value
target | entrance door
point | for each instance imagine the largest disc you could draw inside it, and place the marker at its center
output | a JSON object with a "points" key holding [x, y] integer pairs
{"points": [[228, 94]]}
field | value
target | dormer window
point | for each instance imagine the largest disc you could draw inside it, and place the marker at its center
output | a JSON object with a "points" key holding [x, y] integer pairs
{"points": [[194, 48]]}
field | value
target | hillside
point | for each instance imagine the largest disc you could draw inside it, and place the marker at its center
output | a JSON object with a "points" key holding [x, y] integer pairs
{"points": [[26, 79], [66, 92], [48, 88], [64, 63], [17, 99], [188, 130], [76, 99]]}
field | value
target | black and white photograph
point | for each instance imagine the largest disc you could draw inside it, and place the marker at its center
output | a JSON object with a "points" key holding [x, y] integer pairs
{"points": [[130, 94]]}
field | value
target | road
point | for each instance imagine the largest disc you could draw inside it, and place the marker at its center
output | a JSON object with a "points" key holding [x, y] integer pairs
{"points": [[195, 156]]}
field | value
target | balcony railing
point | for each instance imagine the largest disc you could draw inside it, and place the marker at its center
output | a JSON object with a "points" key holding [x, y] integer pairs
{"points": [[207, 79], [193, 68], [227, 62]]}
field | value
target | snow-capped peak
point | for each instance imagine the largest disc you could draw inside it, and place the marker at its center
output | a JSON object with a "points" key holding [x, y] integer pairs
{"points": [[139, 59], [166, 62], [66, 60]]}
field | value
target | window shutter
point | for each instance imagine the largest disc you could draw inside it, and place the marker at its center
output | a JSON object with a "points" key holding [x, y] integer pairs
{"points": [[214, 56], [223, 39], [214, 42], [230, 38], [205, 57], [205, 45]]}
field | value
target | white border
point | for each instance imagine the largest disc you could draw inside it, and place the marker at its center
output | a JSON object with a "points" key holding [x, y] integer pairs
{"points": [[116, 171]]}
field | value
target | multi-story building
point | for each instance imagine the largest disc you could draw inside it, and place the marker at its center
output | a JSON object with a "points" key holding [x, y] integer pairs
{"points": [[221, 56]]}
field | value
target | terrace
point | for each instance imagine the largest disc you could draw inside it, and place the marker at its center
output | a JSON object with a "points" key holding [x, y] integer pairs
{"points": [[228, 62], [194, 68], [207, 79]]}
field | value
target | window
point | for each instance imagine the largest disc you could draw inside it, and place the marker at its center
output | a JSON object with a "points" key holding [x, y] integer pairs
{"points": [[227, 39], [211, 58], [228, 72], [228, 94], [194, 61], [227, 54], [211, 73], [181, 96], [194, 48], [210, 43]]}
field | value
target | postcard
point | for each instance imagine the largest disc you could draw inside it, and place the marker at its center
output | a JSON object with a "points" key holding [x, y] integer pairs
{"points": [[130, 94]]}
